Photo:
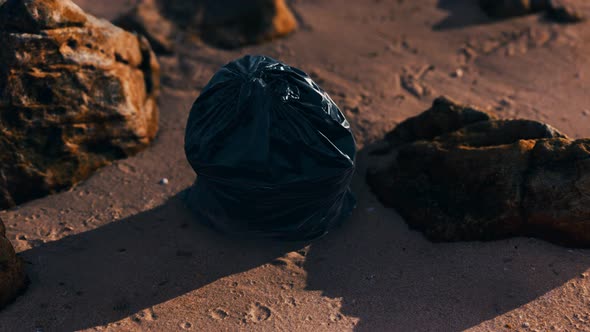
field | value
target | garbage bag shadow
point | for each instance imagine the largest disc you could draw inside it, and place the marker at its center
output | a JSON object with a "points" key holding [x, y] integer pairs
{"points": [[462, 13], [110, 273]]}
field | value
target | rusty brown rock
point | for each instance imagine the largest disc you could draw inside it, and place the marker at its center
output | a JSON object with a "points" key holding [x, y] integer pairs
{"points": [[223, 23], [488, 180], [12, 276], [76, 92]]}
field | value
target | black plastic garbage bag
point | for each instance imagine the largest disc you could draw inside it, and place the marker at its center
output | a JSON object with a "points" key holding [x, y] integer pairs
{"points": [[273, 153]]}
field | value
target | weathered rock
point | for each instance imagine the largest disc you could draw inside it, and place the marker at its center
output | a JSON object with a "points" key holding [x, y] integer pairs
{"points": [[75, 93], [487, 179], [223, 23], [445, 116], [146, 19], [12, 275]]}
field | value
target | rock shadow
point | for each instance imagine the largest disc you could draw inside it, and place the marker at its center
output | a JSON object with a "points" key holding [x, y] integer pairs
{"points": [[392, 278]]}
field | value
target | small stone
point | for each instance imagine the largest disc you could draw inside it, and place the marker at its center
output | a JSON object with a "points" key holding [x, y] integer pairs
{"points": [[458, 73], [526, 325], [583, 275], [585, 112], [164, 181]]}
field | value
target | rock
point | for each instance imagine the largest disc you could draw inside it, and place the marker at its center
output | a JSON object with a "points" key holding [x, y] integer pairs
{"points": [[565, 11], [12, 276], [557, 201], [75, 93], [444, 116], [223, 23], [509, 8], [145, 19], [468, 180]]}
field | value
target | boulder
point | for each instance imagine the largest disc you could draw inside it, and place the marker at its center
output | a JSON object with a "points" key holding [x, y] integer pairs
{"points": [[76, 92], [12, 275], [222, 23], [486, 179]]}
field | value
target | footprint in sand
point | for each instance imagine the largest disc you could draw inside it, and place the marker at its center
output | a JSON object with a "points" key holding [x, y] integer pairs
{"points": [[186, 326], [258, 313], [219, 314]]}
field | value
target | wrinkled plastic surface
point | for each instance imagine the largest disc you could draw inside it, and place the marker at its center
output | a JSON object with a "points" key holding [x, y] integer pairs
{"points": [[273, 153]]}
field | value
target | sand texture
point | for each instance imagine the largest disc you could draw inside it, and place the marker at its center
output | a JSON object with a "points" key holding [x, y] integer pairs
{"points": [[120, 251]]}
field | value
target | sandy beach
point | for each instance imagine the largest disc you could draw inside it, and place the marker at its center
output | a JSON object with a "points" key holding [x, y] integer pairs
{"points": [[121, 251]]}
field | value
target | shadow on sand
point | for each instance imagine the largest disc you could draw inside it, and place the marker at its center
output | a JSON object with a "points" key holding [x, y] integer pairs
{"points": [[392, 278], [462, 13], [388, 276], [112, 272]]}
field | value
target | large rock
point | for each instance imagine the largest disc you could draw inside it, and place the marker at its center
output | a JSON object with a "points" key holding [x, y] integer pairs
{"points": [[487, 179], [75, 93], [12, 275], [223, 23]]}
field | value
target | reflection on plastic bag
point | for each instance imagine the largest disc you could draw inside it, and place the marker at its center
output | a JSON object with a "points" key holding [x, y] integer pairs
{"points": [[273, 153]]}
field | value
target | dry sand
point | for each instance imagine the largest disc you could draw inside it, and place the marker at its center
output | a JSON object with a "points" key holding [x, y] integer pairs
{"points": [[120, 252]]}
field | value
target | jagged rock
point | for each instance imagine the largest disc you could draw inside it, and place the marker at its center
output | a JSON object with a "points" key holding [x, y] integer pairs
{"points": [[12, 276], [223, 23], [75, 93], [488, 179]]}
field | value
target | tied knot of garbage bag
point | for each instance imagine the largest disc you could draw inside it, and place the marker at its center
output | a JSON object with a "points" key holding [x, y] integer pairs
{"points": [[273, 153]]}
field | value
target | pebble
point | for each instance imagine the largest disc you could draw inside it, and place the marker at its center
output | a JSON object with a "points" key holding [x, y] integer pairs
{"points": [[164, 181], [458, 73], [526, 325]]}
